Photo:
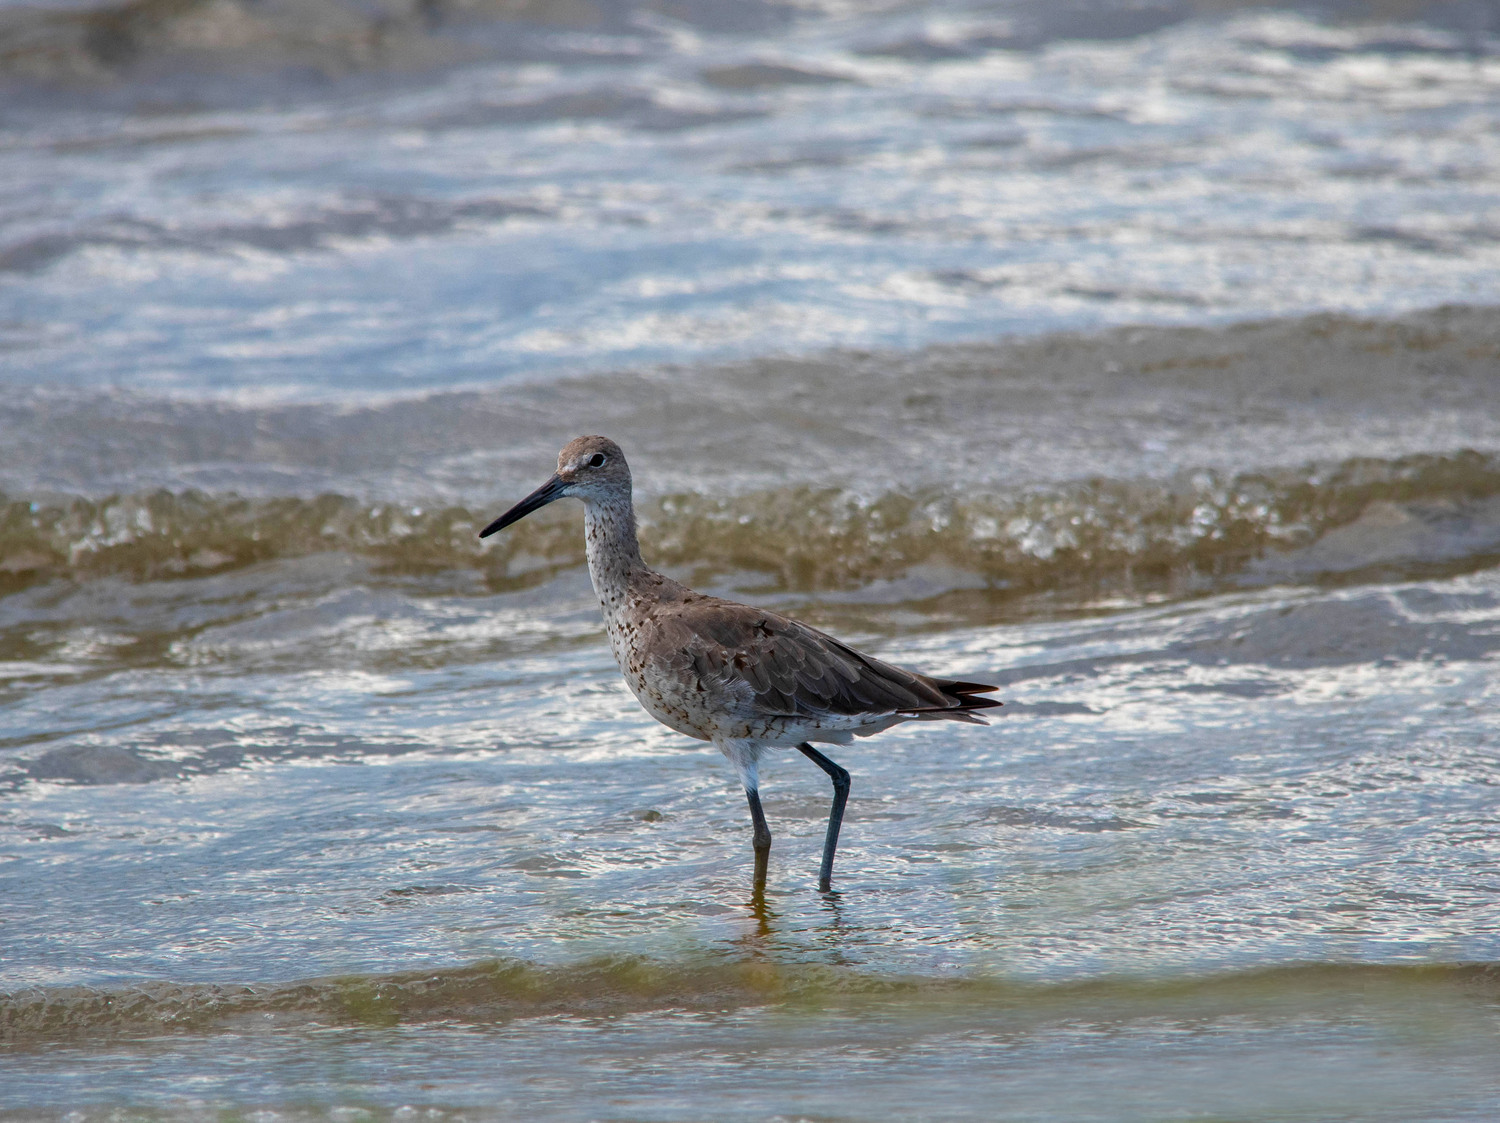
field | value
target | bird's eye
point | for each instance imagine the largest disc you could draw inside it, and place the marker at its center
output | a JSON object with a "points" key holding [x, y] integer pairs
{"points": [[597, 460]]}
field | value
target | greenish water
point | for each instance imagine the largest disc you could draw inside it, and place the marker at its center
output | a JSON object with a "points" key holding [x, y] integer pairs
{"points": [[747, 1039]]}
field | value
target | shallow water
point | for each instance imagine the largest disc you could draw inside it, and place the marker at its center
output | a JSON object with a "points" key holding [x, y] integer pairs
{"points": [[312, 804], [1272, 777], [296, 780], [1308, 1044]]}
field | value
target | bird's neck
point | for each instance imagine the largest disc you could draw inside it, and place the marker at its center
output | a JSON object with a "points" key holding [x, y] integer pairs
{"points": [[613, 551]]}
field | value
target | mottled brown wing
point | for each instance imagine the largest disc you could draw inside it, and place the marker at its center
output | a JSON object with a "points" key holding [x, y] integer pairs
{"points": [[793, 670]]}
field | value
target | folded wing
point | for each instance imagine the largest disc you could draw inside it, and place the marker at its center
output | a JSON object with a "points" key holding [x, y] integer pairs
{"points": [[795, 671]]}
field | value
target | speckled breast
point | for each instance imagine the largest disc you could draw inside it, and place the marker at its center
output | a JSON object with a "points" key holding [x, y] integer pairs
{"points": [[664, 695]]}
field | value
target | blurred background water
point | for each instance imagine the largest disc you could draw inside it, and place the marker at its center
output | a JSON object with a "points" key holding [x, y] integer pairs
{"points": [[1142, 358]]}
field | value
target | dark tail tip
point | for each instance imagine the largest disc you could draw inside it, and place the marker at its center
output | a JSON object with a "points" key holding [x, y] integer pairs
{"points": [[969, 702], [966, 693], [968, 688]]}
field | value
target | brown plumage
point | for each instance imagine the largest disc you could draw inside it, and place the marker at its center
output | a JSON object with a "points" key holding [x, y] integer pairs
{"points": [[744, 678], [795, 671]]}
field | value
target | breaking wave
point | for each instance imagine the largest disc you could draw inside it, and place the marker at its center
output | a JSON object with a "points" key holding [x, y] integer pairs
{"points": [[94, 42], [1406, 514], [497, 990]]}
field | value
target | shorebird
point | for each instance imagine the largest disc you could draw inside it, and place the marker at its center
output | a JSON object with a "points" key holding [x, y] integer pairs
{"points": [[744, 678]]}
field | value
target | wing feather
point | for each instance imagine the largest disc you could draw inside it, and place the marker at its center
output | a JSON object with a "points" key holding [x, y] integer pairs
{"points": [[788, 669]]}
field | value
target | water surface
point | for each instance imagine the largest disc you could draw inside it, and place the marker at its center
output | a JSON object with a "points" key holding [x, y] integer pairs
{"points": [[1145, 368]]}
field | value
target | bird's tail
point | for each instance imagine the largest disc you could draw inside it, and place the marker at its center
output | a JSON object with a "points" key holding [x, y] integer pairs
{"points": [[963, 698]]}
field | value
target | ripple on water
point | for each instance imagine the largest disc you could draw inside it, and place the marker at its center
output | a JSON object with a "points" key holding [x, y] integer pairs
{"points": [[1182, 787]]}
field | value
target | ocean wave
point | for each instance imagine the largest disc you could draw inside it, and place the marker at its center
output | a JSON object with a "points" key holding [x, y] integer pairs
{"points": [[95, 42], [1403, 515], [99, 43], [320, 228], [498, 990]]}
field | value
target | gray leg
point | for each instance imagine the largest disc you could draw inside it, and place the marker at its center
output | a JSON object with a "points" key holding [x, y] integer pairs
{"points": [[840, 780], [762, 840]]}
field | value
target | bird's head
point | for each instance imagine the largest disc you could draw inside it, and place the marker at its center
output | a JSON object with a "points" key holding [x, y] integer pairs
{"points": [[589, 468]]}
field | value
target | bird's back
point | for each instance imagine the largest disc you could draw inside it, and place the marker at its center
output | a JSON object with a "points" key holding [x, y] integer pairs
{"points": [[716, 669]]}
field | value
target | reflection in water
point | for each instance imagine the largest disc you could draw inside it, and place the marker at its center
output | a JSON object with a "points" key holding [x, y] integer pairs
{"points": [[763, 916]]}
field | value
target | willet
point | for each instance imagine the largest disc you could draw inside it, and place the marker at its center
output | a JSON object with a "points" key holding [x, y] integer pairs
{"points": [[746, 679]]}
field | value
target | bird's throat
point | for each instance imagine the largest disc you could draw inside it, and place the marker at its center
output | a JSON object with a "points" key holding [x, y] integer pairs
{"points": [[613, 551]]}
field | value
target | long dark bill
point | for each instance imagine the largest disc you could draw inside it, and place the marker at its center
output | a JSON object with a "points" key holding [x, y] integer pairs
{"points": [[539, 498]]}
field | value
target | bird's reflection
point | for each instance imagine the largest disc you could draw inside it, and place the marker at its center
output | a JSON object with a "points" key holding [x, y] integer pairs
{"points": [[832, 929], [762, 914]]}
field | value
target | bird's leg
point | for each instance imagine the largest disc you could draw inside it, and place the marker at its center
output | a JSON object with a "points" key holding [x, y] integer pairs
{"points": [[762, 840], [840, 780]]}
